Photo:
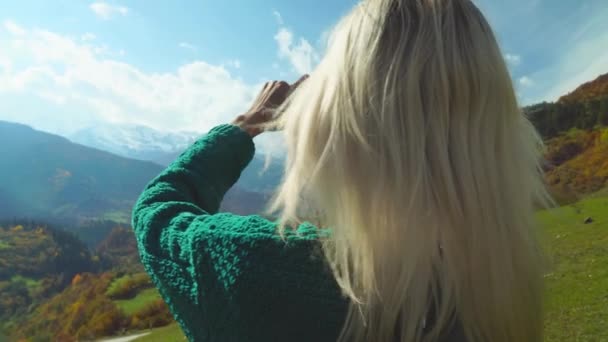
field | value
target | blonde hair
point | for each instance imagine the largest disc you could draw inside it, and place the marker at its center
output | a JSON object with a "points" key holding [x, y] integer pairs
{"points": [[407, 141]]}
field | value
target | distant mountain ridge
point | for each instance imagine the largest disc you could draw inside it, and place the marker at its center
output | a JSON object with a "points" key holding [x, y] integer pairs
{"points": [[45, 176], [135, 141], [145, 143]]}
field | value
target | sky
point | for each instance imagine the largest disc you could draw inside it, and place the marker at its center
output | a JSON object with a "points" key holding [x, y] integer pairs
{"points": [[190, 65]]}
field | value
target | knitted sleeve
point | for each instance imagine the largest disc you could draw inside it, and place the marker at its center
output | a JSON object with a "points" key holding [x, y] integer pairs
{"points": [[227, 277], [184, 197]]}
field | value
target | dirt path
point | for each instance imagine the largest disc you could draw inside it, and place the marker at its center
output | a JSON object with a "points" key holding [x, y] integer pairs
{"points": [[124, 338]]}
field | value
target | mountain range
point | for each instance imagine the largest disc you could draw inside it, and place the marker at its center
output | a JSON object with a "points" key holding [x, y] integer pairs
{"points": [[135, 141], [145, 143], [47, 177]]}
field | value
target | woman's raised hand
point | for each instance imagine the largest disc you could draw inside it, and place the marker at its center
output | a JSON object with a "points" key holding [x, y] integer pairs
{"points": [[272, 96]]}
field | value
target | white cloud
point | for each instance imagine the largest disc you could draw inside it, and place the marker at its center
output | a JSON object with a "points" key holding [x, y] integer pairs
{"points": [[278, 17], [513, 59], [13, 28], [187, 46], [91, 87], [87, 37], [302, 56], [526, 81], [106, 11]]}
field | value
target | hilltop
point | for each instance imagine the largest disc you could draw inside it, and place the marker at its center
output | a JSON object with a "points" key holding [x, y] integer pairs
{"points": [[589, 91], [584, 108]]}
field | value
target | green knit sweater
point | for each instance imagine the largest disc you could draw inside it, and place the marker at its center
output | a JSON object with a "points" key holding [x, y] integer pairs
{"points": [[227, 277]]}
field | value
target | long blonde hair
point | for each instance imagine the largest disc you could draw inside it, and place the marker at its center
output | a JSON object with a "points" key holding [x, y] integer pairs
{"points": [[407, 141]]}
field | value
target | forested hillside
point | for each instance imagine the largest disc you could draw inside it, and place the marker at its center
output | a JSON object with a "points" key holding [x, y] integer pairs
{"points": [[575, 129], [45, 176], [54, 288], [37, 261], [585, 108]]}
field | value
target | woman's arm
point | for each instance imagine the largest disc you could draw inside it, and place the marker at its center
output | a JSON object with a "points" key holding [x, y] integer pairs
{"points": [[213, 269], [191, 187], [175, 217], [190, 251], [227, 277]]}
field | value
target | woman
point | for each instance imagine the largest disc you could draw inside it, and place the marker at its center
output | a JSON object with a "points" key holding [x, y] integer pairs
{"points": [[406, 209]]}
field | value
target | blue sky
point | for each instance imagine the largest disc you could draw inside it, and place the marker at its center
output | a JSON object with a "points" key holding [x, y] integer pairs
{"points": [[189, 65]]}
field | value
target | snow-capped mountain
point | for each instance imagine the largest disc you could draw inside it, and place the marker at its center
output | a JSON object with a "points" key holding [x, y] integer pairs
{"points": [[145, 143], [135, 141]]}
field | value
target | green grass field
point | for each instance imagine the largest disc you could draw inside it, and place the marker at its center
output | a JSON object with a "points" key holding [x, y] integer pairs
{"points": [[116, 283], [577, 282], [119, 282], [143, 298]]}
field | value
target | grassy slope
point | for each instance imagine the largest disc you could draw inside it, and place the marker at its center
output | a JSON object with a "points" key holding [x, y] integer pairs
{"points": [[577, 300], [143, 298], [120, 282], [577, 295]]}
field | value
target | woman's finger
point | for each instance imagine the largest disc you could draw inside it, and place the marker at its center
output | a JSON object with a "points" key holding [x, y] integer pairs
{"points": [[299, 81], [277, 94], [281, 88]]}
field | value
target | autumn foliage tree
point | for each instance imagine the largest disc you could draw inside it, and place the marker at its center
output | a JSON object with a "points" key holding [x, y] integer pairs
{"points": [[577, 164], [155, 314], [119, 252], [129, 285], [588, 91], [36, 262], [81, 312]]}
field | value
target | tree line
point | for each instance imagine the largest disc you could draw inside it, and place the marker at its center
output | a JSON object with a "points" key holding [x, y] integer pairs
{"points": [[551, 119]]}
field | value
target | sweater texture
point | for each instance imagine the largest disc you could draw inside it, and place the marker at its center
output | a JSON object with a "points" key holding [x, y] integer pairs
{"points": [[227, 277]]}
